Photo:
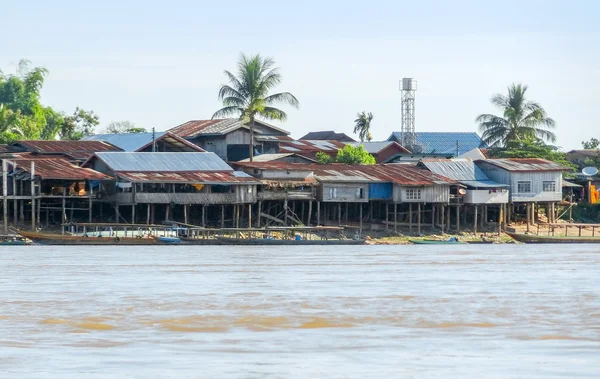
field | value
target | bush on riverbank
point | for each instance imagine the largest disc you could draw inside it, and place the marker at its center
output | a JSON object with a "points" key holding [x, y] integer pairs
{"points": [[586, 213]]}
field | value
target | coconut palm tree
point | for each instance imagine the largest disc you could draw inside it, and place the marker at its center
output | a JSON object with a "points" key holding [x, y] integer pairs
{"points": [[247, 95], [362, 126], [521, 120]]}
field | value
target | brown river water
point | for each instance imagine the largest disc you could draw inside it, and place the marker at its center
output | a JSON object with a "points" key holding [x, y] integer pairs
{"points": [[502, 311]]}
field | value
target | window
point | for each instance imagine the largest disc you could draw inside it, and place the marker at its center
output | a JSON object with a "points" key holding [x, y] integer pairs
{"points": [[360, 194], [413, 194], [523, 186], [549, 186], [333, 193]]}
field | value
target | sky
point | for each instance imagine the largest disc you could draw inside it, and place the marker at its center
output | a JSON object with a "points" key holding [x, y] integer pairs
{"points": [[160, 64]]}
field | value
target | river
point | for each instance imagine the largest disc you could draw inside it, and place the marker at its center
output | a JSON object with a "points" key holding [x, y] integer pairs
{"points": [[498, 311]]}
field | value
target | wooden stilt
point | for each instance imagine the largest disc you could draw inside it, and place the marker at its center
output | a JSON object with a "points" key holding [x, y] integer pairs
{"points": [[222, 216], [90, 204], [387, 216], [410, 217], [458, 219], [528, 217], [308, 218], [148, 214], [185, 213], [5, 195], [360, 214], [133, 213], [15, 202], [250, 215], [433, 215], [500, 218], [152, 214], [395, 217], [285, 217], [447, 210], [475, 208], [318, 213], [346, 214], [340, 214], [442, 214], [419, 218], [258, 213], [301, 211], [167, 212], [370, 212]]}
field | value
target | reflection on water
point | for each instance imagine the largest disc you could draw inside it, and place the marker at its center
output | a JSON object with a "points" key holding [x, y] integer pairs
{"points": [[368, 311]]}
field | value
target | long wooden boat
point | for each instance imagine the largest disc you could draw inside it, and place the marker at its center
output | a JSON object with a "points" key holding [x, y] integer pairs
{"points": [[274, 242], [530, 238], [436, 242], [15, 242], [60, 239]]}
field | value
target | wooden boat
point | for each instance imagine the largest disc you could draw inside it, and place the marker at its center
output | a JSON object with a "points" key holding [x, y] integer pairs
{"points": [[273, 241], [531, 238], [15, 242], [169, 240], [65, 239], [437, 242]]}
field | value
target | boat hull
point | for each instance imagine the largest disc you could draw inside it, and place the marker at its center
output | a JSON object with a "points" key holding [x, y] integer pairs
{"points": [[436, 242], [529, 238]]}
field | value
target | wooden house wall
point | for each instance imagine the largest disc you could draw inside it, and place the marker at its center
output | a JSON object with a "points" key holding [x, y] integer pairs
{"points": [[429, 194], [214, 144], [344, 192]]}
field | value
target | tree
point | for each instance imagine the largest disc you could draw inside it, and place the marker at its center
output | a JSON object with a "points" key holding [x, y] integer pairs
{"points": [[324, 158], [10, 125], [118, 127], [362, 126], [247, 96], [591, 144], [348, 155], [82, 123], [531, 149], [522, 119]]}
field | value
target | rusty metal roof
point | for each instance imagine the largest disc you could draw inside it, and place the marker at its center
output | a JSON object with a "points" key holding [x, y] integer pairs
{"points": [[525, 164], [56, 168], [401, 174], [4, 148], [191, 177], [78, 150], [195, 128], [310, 146]]}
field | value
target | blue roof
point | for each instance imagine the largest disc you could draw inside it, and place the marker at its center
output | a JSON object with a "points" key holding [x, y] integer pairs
{"points": [[444, 142], [126, 141]]}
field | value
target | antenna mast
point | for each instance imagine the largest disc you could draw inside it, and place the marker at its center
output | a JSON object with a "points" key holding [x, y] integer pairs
{"points": [[408, 89]]}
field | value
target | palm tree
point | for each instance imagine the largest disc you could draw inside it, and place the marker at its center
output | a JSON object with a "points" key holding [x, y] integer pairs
{"points": [[247, 96], [362, 126], [522, 119]]}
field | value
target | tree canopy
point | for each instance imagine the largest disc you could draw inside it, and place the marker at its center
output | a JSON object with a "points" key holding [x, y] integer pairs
{"points": [[348, 155], [22, 116], [248, 95], [522, 120], [593, 143], [118, 127], [531, 149], [362, 126]]}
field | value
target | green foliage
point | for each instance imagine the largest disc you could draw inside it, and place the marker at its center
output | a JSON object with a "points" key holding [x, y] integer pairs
{"points": [[82, 123], [586, 213], [247, 96], [531, 149], [354, 155], [118, 127], [522, 120], [324, 158], [24, 117], [591, 144], [362, 126]]}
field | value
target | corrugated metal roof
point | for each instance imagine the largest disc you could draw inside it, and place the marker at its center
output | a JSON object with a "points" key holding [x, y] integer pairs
{"points": [[569, 184], [58, 168], [402, 174], [196, 128], [444, 142], [273, 157], [196, 177], [140, 141], [375, 147], [329, 135], [163, 162], [306, 146], [126, 141], [525, 164], [4, 148], [78, 150]]}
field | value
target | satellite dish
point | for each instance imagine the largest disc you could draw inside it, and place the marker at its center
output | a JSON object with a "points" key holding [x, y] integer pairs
{"points": [[462, 191], [589, 171]]}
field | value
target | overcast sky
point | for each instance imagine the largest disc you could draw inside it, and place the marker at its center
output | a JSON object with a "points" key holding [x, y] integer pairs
{"points": [[159, 64]]}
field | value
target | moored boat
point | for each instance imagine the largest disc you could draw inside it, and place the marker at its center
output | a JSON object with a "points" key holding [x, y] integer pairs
{"points": [[66, 239], [15, 241], [287, 242], [531, 238], [451, 241]]}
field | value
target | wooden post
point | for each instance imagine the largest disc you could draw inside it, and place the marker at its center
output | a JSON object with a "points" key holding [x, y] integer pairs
{"points": [[318, 213], [340, 214], [500, 218], [360, 228], [442, 216], [148, 214], [346, 214], [118, 214], [250, 215], [528, 217], [258, 213], [309, 213], [222, 216], [458, 219], [133, 213], [475, 207], [447, 210], [370, 212], [419, 218], [387, 216], [285, 208], [395, 217], [410, 217], [90, 205], [237, 216], [4, 195], [63, 215], [152, 214], [33, 218], [301, 211], [433, 215], [185, 213], [15, 202]]}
